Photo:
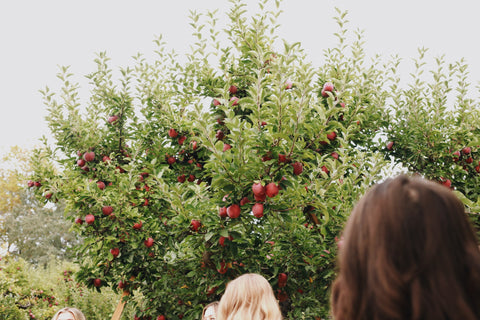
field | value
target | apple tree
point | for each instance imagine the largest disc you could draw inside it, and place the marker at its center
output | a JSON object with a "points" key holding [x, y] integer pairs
{"points": [[242, 157], [434, 127]]}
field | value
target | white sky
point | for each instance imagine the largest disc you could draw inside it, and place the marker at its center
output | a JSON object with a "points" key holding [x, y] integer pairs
{"points": [[37, 36]]}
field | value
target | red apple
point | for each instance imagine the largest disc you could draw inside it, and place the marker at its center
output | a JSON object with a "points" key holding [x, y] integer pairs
{"points": [[101, 185], [30, 183], [331, 136], [233, 89], [297, 168], [89, 156], [244, 201], [257, 210], [78, 221], [37, 184], [282, 280], [469, 160], [162, 317], [194, 145], [106, 159], [271, 190], [260, 198], [172, 133], [112, 119], [149, 242], [216, 103], [447, 183], [107, 210], [137, 225], [171, 160], [48, 194], [97, 282], [122, 285], [181, 140], [181, 178], [233, 211], [80, 162], [327, 87], [191, 178], [234, 101], [258, 189], [221, 241], [390, 145], [220, 135], [89, 218], [222, 212], [335, 155], [226, 147], [195, 224], [467, 150], [288, 84], [115, 252], [282, 158]]}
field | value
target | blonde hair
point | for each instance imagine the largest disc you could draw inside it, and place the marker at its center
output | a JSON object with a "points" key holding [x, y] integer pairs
{"points": [[251, 297], [213, 305], [77, 314]]}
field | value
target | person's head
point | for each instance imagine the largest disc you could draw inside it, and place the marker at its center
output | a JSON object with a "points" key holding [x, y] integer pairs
{"points": [[409, 252], [210, 311], [249, 296], [68, 314]]}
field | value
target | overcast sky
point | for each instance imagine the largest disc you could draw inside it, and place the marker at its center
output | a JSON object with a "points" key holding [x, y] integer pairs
{"points": [[37, 36]]}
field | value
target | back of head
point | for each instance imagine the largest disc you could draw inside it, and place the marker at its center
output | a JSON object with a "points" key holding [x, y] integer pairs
{"points": [[251, 297], [409, 252], [77, 314]]}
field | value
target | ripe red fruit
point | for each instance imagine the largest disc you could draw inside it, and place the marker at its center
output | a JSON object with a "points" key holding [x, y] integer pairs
{"points": [[107, 210], [97, 282], [233, 89], [30, 183], [331, 136], [194, 145], [282, 158], [325, 169], [149, 242], [106, 159], [226, 147], [263, 123], [327, 87], [181, 140], [115, 252], [297, 168], [447, 183], [216, 103], [195, 224], [112, 119], [260, 198], [234, 101], [191, 178], [101, 185], [78, 221], [335, 155], [89, 218], [282, 296], [244, 201], [220, 135], [477, 168], [222, 212], [181, 178], [469, 160], [467, 150], [258, 189], [257, 210], [137, 225], [89, 156], [122, 285], [271, 189], [171, 160], [221, 241], [233, 211], [390, 145], [282, 280], [172, 133], [223, 267], [288, 84], [81, 162], [48, 194], [162, 317]]}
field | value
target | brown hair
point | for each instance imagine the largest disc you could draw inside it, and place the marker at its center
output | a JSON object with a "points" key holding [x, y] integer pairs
{"points": [[251, 297], [409, 252]]}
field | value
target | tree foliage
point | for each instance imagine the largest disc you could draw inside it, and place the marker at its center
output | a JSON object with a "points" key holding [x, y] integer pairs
{"points": [[159, 163]]}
